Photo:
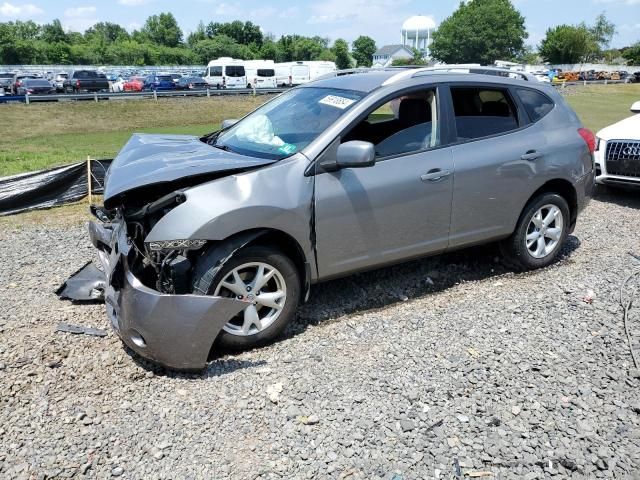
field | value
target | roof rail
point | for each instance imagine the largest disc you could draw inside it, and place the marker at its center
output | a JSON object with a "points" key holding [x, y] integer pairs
{"points": [[351, 71], [478, 70]]}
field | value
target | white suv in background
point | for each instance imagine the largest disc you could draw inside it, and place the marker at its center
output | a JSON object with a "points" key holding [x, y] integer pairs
{"points": [[618, 151]]}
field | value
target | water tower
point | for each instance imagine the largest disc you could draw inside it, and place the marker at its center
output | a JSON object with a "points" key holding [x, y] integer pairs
{"points": [[416, 33]]}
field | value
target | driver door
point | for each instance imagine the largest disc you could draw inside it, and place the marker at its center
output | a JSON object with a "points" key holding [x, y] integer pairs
{"points": [[397, 209]]}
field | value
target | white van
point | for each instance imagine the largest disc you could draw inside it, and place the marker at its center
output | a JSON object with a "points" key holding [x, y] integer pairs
{"points": [[226, 72], [297, 73], [260, 73]]}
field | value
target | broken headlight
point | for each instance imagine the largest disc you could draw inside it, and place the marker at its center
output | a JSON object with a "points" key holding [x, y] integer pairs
{"points": [[175, 245]]}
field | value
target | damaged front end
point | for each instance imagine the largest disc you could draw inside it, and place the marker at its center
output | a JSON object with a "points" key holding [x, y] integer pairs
{"points": [[147, 288]]}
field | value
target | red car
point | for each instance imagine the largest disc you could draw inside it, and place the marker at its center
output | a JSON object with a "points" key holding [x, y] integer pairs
{"points": [[134, 84]]}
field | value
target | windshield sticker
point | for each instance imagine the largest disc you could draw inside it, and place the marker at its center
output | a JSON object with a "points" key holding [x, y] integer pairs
{"points": [[336, 101], [287, 148]]}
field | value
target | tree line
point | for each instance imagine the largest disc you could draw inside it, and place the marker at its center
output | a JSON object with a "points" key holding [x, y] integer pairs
{"points": [[481, 31], [161, 41]]}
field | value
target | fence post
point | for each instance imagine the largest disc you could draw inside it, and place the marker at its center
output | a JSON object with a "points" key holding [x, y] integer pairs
{"points": [[26, 98], [89, 178], [155, 95], [605, 81], [95, 96], [208, 93]]}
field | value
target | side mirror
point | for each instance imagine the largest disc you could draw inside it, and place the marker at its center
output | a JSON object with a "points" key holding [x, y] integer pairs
{"points": [[635, 108], [230, 122], [356, 154]]}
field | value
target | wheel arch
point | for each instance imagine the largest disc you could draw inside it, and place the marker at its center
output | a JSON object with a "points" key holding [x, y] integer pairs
{"points": [[221, 251], [566, 190]]}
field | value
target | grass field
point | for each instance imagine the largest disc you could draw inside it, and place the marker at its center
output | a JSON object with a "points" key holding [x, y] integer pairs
{"points": [[42, 135]]}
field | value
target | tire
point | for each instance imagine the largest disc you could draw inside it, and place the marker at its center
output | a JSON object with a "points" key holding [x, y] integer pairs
{"points": [[246, 263], [523, 250]]}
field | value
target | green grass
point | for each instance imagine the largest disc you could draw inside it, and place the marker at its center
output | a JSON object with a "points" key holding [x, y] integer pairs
{"points": [[601, 105], [42, 135]]}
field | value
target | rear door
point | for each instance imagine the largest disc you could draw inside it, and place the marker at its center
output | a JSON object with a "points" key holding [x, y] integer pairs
{"points": [[495, 160], [398, 208]]}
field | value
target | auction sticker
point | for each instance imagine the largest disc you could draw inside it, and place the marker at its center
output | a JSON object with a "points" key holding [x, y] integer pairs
{"points": [[336, 101], [287, 148]]}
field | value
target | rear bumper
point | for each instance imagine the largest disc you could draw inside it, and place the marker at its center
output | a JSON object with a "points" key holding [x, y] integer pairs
{"points": [[175, 331]]}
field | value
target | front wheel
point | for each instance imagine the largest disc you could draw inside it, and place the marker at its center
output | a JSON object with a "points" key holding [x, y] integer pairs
{"points": [[264, 278], [540, 233]]}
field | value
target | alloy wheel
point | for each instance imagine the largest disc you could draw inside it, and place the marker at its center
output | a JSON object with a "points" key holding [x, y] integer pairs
{"points": [[544, 231]]}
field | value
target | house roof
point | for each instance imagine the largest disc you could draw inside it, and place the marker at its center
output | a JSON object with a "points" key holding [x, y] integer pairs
{"points": [[391, 49]]}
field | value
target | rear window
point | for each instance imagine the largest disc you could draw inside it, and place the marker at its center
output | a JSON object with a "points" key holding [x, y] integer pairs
{"points": [[164, 78], [266, 72], [235, 71], [536, 104], [37, 83], [482, 112], [6, 75], [85, 74]]}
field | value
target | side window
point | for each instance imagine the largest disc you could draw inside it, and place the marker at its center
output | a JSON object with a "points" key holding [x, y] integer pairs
{"points": [[536, 104], [216, 71], [402, 125], [481, 112]]}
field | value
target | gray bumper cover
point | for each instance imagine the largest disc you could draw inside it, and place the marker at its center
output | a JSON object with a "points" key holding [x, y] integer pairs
{"points": [[176, 331]]}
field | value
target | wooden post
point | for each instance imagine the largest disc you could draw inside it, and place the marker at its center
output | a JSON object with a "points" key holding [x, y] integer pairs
{"points": [[155, 95], [89, 178]]}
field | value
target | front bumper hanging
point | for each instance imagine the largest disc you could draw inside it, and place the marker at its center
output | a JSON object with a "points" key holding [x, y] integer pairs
{"points": [[176, 331]]}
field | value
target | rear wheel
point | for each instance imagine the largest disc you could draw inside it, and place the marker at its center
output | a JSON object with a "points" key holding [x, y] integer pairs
{"points": [[540, 233], [269, 283]]}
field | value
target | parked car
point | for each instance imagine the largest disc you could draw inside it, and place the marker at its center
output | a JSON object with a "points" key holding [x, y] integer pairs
{"points": [[59, 80], [192, 83], [35, 86], [218, 238], [617, 153], [6, 79], [134, 84], [18, 79], [159, 82], [226, 72], [86, 81], [118, 85]]}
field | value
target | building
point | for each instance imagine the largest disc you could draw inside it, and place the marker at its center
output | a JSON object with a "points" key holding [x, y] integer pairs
{"points": [[384, 56]]}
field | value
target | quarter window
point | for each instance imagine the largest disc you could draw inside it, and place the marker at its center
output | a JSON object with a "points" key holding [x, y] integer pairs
{"points": [[536, 104], [482, 112], [402, 125]]}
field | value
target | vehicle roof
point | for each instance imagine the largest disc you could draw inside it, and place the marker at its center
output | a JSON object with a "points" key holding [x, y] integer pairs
{"points": [[368, 81]]}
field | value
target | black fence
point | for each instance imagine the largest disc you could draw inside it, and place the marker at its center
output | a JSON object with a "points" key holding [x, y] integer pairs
{"points": [[51, 187]]}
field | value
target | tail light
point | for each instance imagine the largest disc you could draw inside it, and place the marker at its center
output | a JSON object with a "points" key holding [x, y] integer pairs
{"points": [[224, 81], [78, 83], [290, 80], [589, 138], [191, 85]]}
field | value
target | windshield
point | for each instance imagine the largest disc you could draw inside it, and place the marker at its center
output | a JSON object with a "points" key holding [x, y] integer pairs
{"points": [[288, 123]]}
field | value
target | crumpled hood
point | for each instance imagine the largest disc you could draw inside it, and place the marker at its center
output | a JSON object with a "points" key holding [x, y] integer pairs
{"points": [[627, 129], [149, 159]]}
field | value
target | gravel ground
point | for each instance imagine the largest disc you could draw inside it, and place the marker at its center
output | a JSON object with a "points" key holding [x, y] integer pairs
{"points": [[439, 368]]}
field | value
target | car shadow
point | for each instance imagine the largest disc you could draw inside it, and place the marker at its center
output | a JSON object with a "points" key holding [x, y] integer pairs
{"points": [[622, 196], [408, 281]]}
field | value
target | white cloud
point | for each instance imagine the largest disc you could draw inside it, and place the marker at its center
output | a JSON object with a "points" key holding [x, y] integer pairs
{"points": [[78, 24], [263, 12], [226, 10], [622, 2], [79, 12], [133, 3], [19, 11]]}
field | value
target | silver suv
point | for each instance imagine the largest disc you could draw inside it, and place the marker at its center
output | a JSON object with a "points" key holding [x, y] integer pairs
{"points": [[219, 238]]}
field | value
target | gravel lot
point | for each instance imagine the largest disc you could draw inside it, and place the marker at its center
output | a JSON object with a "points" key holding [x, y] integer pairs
{"points": [[440, 368]]}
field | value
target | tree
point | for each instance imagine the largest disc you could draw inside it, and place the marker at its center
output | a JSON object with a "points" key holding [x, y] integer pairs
{"points": [[53, 32], [106, 32], [632, 54], [363, 49], [216, 47], [162, 29], [199, 34], [566, 44], [480, 31], [341, 51]]}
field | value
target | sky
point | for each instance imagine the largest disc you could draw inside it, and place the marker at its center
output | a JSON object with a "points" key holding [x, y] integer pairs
{"points": [[380, 19]]}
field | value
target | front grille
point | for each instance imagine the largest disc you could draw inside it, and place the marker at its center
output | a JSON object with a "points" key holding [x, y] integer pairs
{"points": [[623, 158]]}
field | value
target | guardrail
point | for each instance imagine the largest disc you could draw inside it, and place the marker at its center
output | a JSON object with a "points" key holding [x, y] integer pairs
{"points": [[97, 96]]}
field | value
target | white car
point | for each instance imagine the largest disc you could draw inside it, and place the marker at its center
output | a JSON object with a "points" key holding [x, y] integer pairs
{"points": [[617, 152], [118, 85]]}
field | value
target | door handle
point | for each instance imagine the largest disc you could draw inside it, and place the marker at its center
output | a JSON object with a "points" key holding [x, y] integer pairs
{"points": [[531, 155], [434, 175]]}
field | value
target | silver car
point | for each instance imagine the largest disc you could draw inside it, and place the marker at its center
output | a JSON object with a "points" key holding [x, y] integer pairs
{"points": [[218, 239]]}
